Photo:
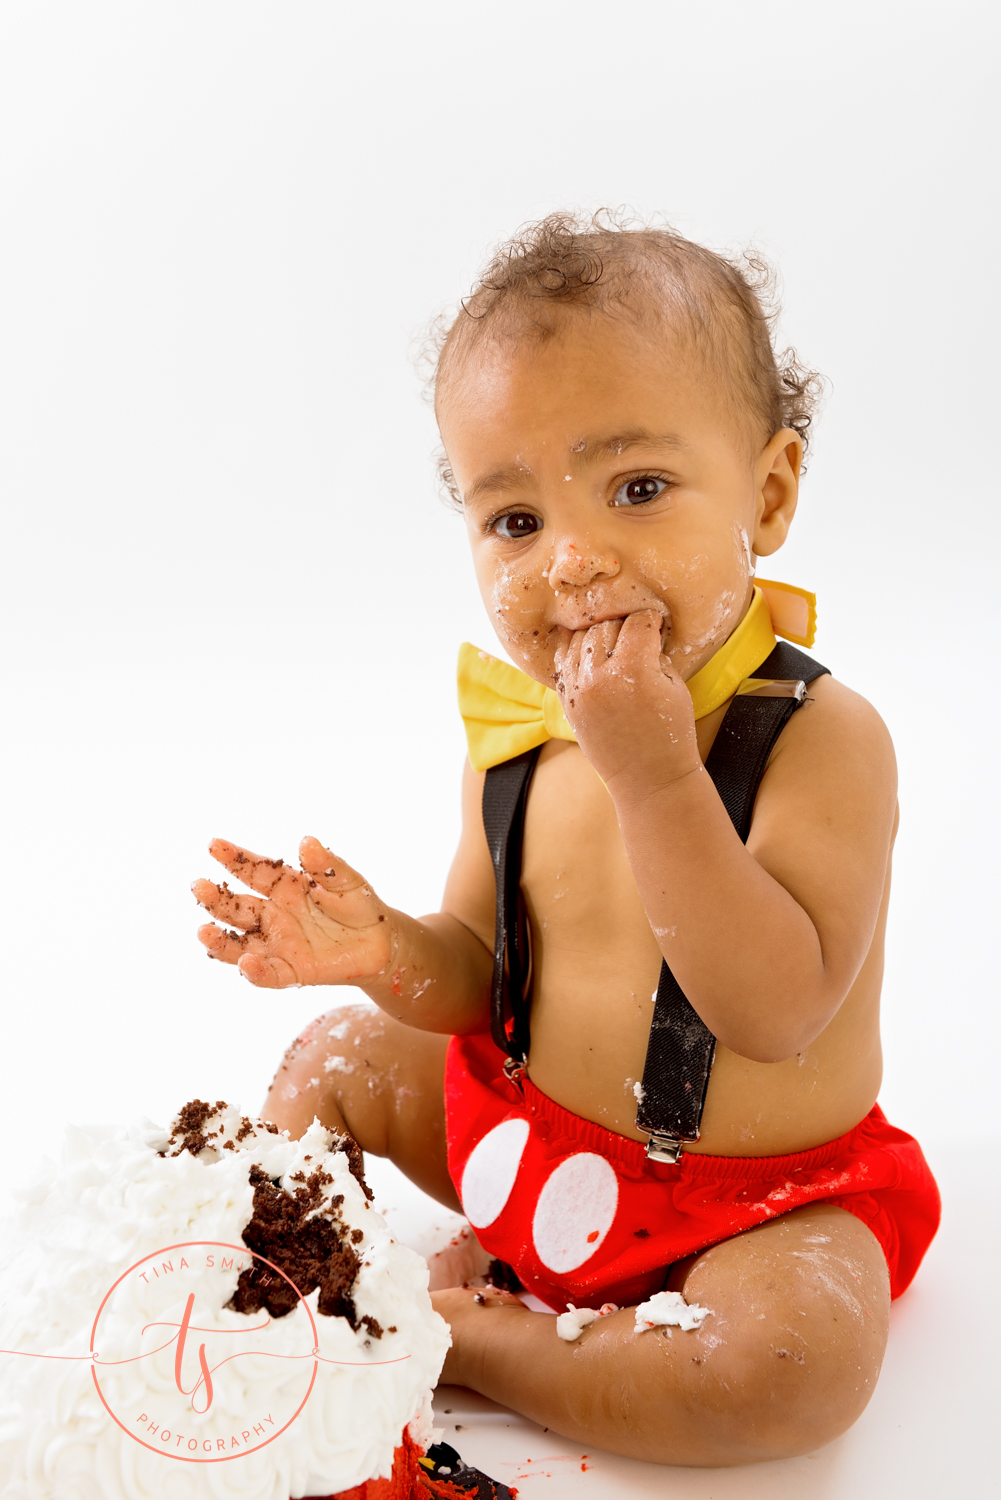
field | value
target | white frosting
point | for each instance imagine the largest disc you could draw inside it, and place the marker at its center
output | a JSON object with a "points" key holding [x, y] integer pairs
{"points": [[669, 1310], [112, 1201], [571, 1324]]}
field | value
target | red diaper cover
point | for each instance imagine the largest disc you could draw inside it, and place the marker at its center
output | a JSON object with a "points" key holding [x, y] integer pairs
{"points": [[583, 1216]]}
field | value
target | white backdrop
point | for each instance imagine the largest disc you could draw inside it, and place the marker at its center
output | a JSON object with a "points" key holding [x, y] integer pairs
{"points": [[232, 599]]}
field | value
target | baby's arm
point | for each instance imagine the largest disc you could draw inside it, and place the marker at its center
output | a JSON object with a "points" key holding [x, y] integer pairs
{"points": [[765, 940], [323, 924]]}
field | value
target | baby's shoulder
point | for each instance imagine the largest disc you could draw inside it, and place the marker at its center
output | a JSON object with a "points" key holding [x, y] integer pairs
{"points": [[839, 745], [841, 715]]}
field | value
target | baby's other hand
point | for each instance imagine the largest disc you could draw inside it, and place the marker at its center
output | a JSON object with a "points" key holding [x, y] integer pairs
{"points": [[631, 712], [321, 924]]}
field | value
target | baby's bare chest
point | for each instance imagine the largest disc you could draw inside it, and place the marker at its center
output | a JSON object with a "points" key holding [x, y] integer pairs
{"points": [[579, 887], [588, 922], [595, 958], [574, 871]]}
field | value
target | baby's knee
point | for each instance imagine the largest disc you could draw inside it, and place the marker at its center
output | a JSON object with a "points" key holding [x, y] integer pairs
{"points": [[336, 1030], [791, 1390], [792, 1353], [329, 1059], [331, 1043]]}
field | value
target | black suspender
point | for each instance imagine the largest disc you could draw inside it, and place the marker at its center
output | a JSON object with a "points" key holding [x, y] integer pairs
{"points": [[681, 1047], [505, 793]]}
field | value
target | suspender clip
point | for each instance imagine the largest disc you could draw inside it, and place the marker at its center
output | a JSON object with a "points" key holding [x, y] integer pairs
{"points": [[773, 687], [664, 1148], [514, 1070]]}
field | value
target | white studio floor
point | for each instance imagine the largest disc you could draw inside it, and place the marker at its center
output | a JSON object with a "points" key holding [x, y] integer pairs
{"points": [[929, 1431]]}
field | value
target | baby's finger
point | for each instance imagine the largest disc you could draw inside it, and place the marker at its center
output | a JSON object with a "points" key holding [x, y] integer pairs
{"points": [[225, 906], [327, 869], [569, 668], [267, 972], [606, 635], [564, 638], [262, 875], [640, 637], [599, 645], [339, 892], [228, 947]]}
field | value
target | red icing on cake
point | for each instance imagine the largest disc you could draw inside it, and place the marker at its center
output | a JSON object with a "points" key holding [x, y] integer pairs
{"points": [[403, 1484], [408, 1481]]}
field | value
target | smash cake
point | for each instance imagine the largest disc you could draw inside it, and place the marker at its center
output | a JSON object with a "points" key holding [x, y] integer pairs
{"points": [[216, 1310]]}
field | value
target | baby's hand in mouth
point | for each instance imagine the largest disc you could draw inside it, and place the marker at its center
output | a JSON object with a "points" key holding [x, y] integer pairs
{"points": [[631, 712]]}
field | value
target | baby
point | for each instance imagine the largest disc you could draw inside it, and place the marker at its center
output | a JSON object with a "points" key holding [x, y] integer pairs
{"points": [[654, 793]]}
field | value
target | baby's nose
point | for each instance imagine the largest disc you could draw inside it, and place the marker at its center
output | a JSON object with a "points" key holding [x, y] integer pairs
{"points": [[576, 564]]}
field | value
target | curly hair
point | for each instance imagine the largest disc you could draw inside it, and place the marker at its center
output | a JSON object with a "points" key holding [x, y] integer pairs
{"points": [[726, 306]]}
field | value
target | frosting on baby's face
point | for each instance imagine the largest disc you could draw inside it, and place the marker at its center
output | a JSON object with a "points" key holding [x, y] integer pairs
{"points": [[603, 473]]}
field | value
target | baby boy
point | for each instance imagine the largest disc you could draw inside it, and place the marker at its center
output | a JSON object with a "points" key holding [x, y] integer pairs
{"points": [[655, 806]]}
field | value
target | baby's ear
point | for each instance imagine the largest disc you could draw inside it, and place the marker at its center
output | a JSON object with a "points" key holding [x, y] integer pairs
{"points": [[777, 485]]}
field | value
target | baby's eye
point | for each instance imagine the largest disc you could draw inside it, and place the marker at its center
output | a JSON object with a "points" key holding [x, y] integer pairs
{"points": [[516, 524], [638, 491]]}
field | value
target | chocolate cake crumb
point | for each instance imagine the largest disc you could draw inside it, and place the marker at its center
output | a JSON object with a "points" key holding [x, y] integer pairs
{"points": [[246, 1128], [189, 1132], [357, 1235], [504, 1277], [356, 1162], [391, 1328], [373, 1325], [641, 1234], [303, 1236]]}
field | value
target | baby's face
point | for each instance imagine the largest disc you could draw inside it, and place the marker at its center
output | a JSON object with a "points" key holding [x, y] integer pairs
{"points": [[602, 474]]}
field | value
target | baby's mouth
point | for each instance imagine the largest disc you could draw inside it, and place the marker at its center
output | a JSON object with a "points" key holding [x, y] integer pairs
{"points": [[581, 621]]}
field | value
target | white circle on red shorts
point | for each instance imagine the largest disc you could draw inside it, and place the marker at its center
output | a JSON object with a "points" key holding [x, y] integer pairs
{"points": [[490, 1172], [575, 1211]]}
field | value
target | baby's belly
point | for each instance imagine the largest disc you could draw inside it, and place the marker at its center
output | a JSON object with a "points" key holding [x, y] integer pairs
{"points": [[590, 1025]]}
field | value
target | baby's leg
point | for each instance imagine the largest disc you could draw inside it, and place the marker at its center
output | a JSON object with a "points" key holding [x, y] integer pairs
{"points": [[787, 1361], [801, 1321], [359, 1070]]}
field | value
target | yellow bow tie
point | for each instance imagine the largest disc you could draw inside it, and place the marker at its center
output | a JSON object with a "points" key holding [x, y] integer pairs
{"points": [[506, 712]]}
